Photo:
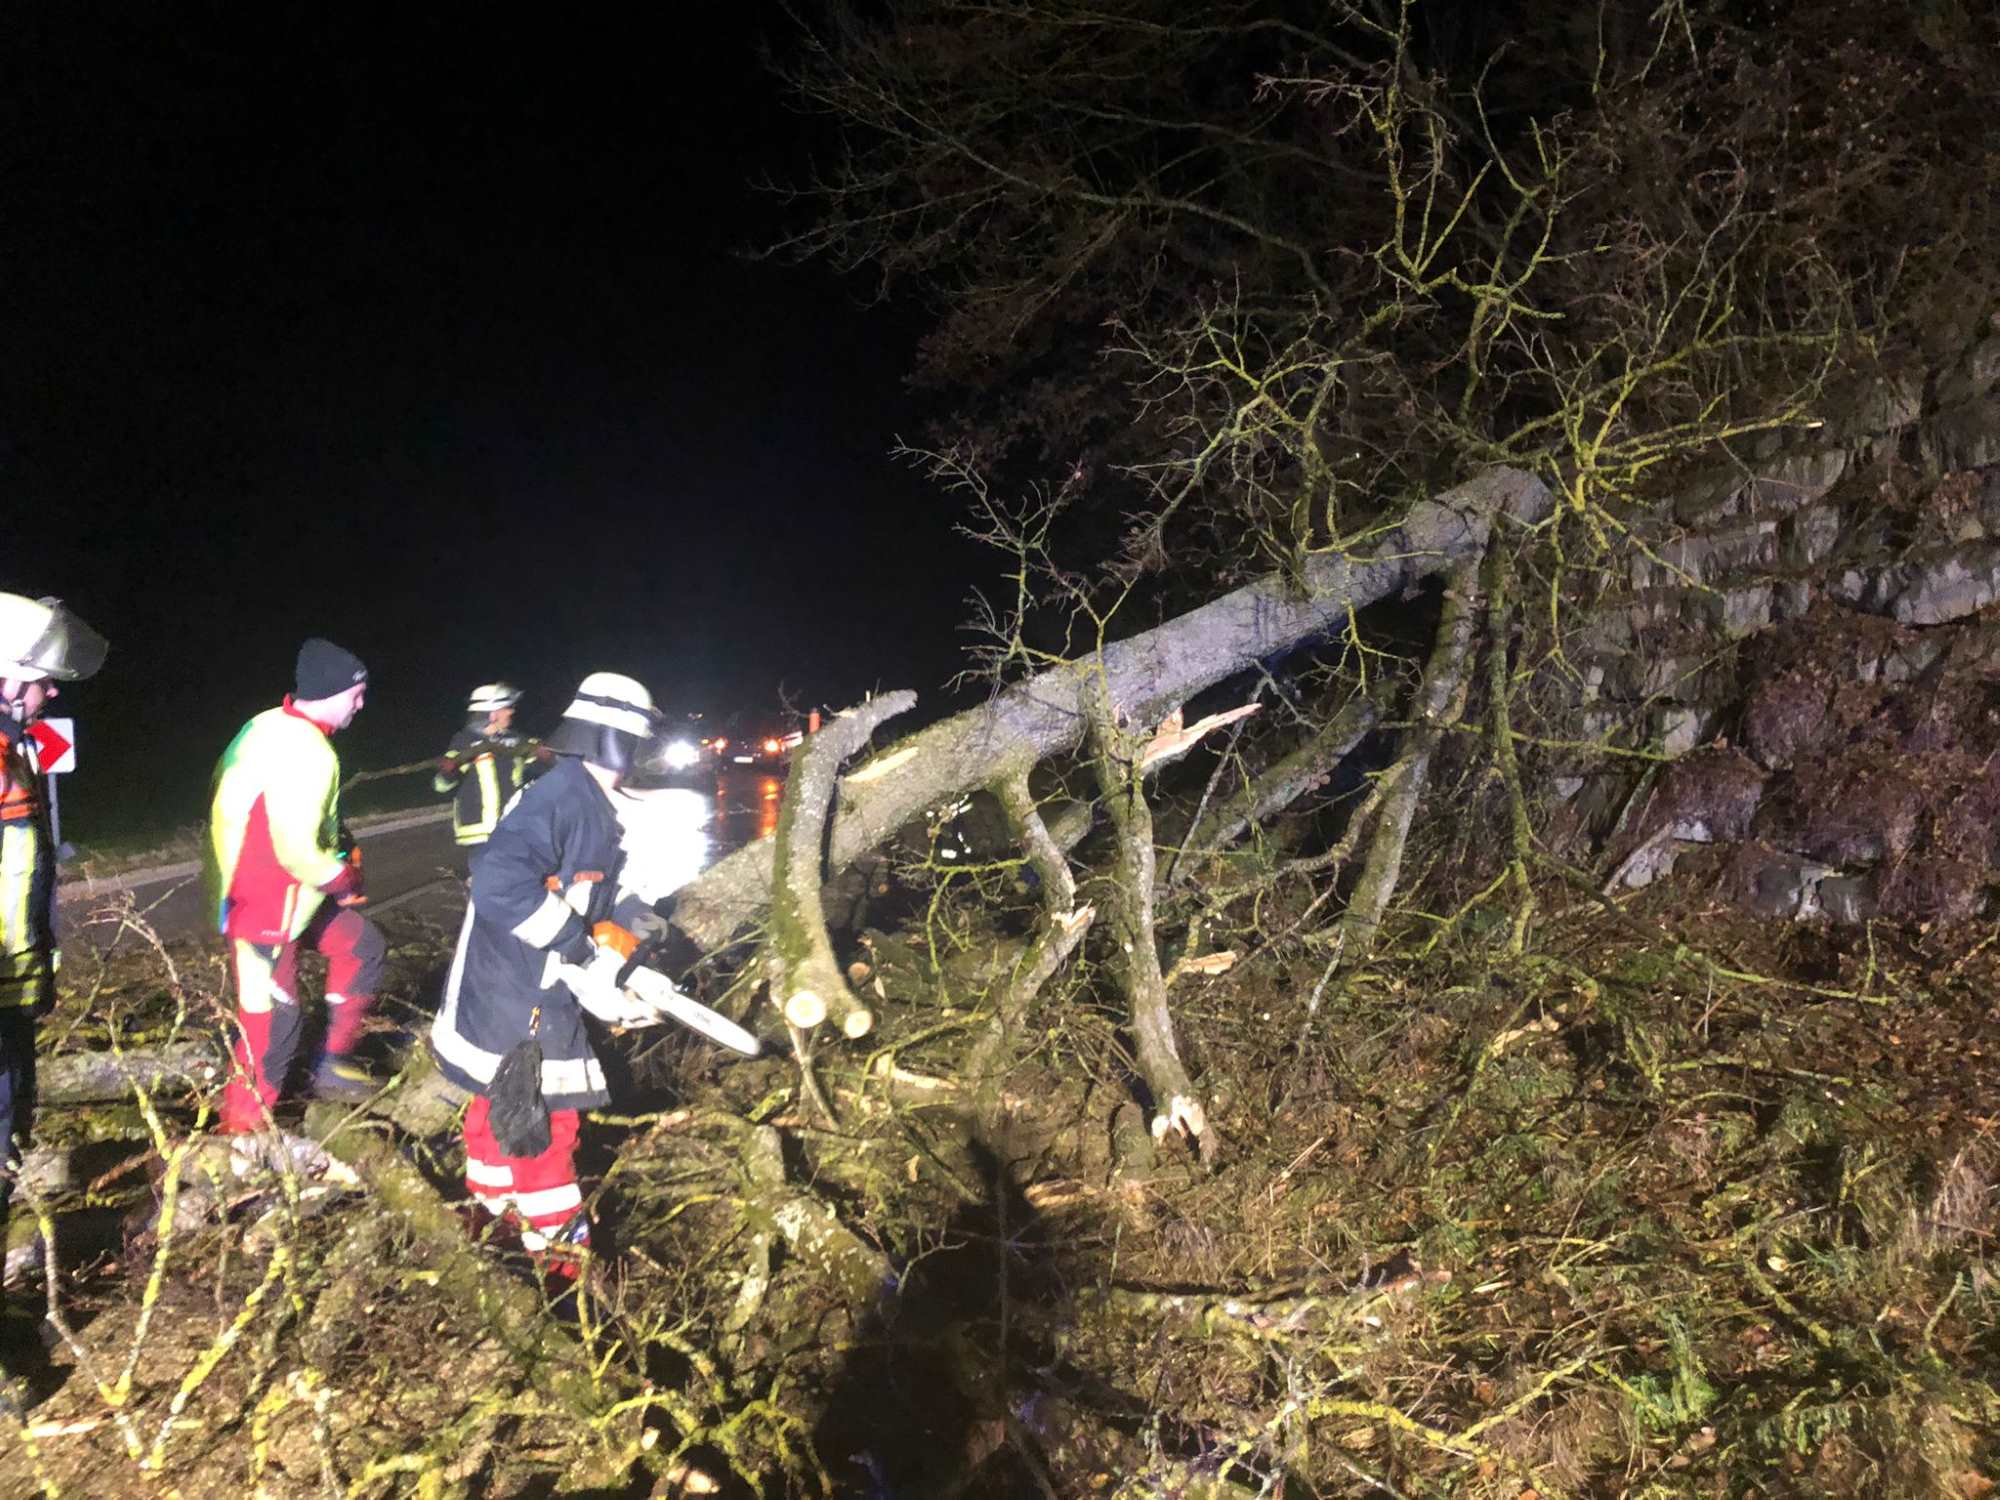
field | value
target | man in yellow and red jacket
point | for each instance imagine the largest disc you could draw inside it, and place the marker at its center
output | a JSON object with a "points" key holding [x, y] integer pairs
{"points": [[278, 880], [41, 644]]}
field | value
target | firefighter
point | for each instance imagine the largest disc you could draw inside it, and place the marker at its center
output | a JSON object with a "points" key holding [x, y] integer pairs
{"points": [[41, 644], [282, 875], [485, 764], [545, 938]]}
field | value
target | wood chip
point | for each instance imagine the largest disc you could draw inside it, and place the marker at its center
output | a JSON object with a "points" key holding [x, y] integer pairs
{"points": [[880, 766], [1207, 963], [1171, 738]]}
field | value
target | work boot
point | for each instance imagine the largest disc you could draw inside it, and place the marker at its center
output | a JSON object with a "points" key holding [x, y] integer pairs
{"points": [[341, 1080], [561, 1258]]}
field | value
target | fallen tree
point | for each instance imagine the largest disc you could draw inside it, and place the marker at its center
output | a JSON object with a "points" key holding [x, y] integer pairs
{"points": [[1143, 677], [1108, 703]]}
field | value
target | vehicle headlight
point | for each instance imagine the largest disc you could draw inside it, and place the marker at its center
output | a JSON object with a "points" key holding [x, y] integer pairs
{"points": [[680, 754]]}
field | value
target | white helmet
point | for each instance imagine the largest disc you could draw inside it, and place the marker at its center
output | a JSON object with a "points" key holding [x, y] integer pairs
{"points": [[491, 697], [40, 638], [607, 722]]}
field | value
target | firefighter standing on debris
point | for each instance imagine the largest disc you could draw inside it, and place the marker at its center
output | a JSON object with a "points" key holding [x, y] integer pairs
{"points": [[282, 875], [41, 643], [545, 940], [485, 764]]}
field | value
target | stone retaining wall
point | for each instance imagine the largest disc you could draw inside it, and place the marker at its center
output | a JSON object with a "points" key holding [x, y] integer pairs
{"points": [[1808, 636]]}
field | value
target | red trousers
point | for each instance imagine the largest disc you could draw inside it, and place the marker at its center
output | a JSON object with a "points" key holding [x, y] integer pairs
{"points": [[540, 1190], [267, 1006]]}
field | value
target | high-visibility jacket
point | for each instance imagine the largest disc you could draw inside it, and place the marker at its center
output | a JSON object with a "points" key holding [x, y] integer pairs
{"points": [[273, 827], [28, 954], [481, 772], [548, 875]]}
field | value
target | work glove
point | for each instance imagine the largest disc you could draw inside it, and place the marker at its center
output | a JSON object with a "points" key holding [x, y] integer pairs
{"points": [[596, 987], [346, 887]]}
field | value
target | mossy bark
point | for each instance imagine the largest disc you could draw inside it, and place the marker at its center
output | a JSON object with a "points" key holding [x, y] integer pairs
{"points": [[1062, 929], [806, 981], [1500, 691], [1440, 704], [70, 1078], [550, 1359], [1115, 759]]}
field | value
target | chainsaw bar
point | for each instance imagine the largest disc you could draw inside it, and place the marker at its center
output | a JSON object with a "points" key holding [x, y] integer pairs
{"points": [[658, 991]]}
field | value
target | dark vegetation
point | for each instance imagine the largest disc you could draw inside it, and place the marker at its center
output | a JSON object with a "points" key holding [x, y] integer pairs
{"points": [[1617, 1215], [1306, 1105]]}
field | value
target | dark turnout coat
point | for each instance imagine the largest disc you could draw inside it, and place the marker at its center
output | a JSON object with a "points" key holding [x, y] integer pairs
{"points": [[547, 875], [481, 772]]}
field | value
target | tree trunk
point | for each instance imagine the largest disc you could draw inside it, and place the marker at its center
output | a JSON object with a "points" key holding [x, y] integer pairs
{"points": [[992, 1053], [806, 982], [1116, 759], [1144, 675], [70, 1078], [1440, 701]]}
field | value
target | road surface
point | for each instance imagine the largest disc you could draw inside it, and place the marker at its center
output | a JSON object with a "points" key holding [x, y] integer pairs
{"points": [[412, 864]]}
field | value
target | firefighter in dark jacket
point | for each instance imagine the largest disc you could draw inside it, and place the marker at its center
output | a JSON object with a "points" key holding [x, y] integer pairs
{"points": [[485, 764], [544, 940], [41, 643]]}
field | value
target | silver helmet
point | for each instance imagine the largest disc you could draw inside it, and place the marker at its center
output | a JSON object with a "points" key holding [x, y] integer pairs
{"points": [[42, 638], [607, 723], [491, 697]]}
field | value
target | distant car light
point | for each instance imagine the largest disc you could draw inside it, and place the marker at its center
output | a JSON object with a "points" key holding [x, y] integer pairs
{"points": [[680, 754], [772, 747]]}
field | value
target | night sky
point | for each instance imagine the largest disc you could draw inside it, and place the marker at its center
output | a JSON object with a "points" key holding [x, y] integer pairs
{"points": [[432, 334]]}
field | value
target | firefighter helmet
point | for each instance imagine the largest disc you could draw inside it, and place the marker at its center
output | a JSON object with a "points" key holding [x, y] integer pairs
{"points": [[491, 697], [41, 638], [607, 722]]}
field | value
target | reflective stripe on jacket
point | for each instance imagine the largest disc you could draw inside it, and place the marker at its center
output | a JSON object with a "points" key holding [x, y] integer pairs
{"points": [[273, 827], [28, 958]]}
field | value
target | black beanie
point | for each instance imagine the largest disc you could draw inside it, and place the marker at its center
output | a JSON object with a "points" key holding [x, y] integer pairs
{"points": [[326, 669]]}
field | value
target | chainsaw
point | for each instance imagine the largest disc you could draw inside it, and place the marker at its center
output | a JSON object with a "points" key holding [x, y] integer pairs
{"points": [[653, 989]]}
